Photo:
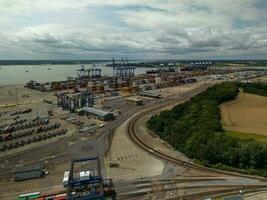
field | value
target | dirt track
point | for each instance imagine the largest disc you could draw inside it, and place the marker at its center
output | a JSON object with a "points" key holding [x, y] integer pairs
{"points": [[248, 113]]}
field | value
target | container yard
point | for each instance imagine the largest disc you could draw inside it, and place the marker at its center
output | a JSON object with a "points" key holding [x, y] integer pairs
{"points": [[46, 126]]}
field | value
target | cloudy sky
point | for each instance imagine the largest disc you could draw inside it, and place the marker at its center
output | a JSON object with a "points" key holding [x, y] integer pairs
{"points": [[138, 29]]}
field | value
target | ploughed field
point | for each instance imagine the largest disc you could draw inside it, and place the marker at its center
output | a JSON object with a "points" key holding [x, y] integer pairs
{"points": [[247, 113]]}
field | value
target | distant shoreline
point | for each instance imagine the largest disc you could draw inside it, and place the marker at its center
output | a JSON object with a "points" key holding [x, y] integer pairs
{"points": [[73, 62]]}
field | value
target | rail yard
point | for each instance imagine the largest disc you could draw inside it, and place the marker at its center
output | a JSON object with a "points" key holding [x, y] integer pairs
{"points": [[103, 118]]}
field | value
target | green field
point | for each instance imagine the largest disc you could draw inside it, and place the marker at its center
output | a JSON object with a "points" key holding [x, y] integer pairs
{"points": [[248, 136]]}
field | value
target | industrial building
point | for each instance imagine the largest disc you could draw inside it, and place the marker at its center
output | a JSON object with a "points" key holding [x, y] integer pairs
{"points": [[29, 172], [150, 94], [96, 113]]}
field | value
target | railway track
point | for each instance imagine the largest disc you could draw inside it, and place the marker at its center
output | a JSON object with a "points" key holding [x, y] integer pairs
{"points": [[138, 141], [173, 184], [180, 190]]}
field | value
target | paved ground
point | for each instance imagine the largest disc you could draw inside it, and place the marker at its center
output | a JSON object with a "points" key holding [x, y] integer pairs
{"points": [[133, 163], [18, 94]]}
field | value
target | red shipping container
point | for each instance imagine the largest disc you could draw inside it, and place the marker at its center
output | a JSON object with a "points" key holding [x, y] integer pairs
{"points": [[60, 197]]}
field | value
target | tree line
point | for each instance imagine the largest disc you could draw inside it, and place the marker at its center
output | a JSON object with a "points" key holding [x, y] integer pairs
{"points": [[259, 88], [194, 128]]}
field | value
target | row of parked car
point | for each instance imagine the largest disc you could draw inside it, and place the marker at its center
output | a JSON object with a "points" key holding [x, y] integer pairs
{"points": [[18, 112], [11, 136], [10, 129], [34, 139], [17, 122]]}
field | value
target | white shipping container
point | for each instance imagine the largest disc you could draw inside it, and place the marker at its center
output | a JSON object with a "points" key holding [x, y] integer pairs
{"points": [[66, 178], [85, 175]]}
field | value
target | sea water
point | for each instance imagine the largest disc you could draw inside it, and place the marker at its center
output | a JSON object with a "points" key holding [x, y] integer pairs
{"points": [[21, 74]]}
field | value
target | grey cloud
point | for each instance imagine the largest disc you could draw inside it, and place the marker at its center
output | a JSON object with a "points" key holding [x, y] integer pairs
{"points": [[46, 39], [206, 43], [162, 29], [183, 51]]}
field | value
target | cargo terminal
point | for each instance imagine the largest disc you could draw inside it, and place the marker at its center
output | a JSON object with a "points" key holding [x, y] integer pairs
{"points": [[76, 118]]}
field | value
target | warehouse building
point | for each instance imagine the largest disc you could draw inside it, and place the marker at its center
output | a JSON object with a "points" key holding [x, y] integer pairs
{"points": [[96, 113], [29, 172]]}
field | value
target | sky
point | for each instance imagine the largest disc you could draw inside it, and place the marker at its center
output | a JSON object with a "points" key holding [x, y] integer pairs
{"points": [[137, 29]]}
